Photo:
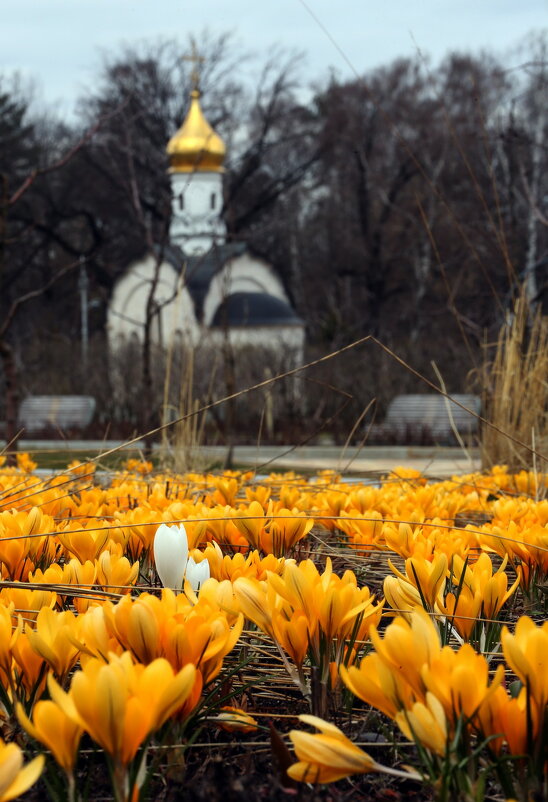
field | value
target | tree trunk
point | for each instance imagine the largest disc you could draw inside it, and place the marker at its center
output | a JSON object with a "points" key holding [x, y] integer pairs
{"points": [[531, 288], [147, 394], [12, 398], [152, 313], [230, 405]]}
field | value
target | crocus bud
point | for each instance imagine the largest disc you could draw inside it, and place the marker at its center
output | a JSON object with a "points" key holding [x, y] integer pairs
{"points": [[197, 573], [171, 555]]}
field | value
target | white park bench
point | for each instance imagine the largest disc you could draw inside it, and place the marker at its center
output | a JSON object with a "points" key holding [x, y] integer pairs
{"points": [[55, 412], [416, 417]]}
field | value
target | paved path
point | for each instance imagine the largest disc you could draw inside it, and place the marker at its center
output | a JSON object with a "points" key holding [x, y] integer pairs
{"points": [[370, 459], [434, 462]]}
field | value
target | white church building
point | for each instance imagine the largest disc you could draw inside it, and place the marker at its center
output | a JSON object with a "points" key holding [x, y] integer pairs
{"points": [[204, 289]]}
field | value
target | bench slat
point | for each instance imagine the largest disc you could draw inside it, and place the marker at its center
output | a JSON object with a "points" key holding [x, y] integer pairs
{"points": [[38, 412], [432, 413]]}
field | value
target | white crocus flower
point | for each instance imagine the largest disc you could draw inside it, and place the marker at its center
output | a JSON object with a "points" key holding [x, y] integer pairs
{"points": [[171, 555], [197, 573]]}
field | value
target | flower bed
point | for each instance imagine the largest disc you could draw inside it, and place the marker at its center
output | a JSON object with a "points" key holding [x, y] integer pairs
{"points": [[403, 622]]}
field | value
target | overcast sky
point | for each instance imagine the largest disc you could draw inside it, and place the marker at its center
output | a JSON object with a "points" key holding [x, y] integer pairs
{"points": [[57, 43]]}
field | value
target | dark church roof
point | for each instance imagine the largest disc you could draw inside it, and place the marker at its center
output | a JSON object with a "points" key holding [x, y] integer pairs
{"points": [[201, 269], [254, 309]]}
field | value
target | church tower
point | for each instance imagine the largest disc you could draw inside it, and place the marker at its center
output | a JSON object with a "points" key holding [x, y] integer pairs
{"points": [[196, 155]]}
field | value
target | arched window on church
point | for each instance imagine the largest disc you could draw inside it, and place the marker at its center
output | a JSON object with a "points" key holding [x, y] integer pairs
{"points": [[181, 201], [213, 200]]}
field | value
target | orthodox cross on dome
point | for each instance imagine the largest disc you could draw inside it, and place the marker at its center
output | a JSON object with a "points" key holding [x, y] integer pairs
{"points": [[196, 60]]}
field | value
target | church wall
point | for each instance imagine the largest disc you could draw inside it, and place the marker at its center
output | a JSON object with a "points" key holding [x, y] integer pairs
{"points": [[282, 339], [127, 309]]}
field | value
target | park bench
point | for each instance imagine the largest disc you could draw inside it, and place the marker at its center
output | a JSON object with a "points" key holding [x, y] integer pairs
{"points": [[422, 418], [59, 413]]}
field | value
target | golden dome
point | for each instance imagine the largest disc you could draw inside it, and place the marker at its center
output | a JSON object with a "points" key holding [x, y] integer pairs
{"points": [[196, 146]]}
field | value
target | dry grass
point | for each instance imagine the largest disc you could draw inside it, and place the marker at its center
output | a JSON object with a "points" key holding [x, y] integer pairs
{"points": [[515, 392], [181, 443]]}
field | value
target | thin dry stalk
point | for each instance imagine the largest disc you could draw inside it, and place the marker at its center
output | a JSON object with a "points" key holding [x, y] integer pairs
{"points": [[515, 392], [184, 453], [167, 408]]}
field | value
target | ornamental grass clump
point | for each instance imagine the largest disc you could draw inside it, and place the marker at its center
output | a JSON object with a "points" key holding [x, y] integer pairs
{"points": [[515, 394]]}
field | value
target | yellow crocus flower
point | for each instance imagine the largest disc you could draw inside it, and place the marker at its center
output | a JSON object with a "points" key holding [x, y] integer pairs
{"points": [[216, 596], [160, 689], [82, 543], [226, 489], [300, 586], [27, 602], [363, 530], [292, 634], [15, 778], [509, 719], [28, 668], [401, 595], [428, 577], [407, 647], [496, 593], [8, 637], [251, 523], [202, 639], [479, 579], [460, 680], [305, 612], [326, 756], [285, 530], [252, 599], [174, 628], [52, 639], [260, 493], [426, 724], [462, 610], [120, 703], [83, 576], [515, 723], [93, 637], [116, 574], [401, 540], [233, 719], [251, 565], [52, 727], [376, 684], [342, 606], [137, 625], [526, 652]]}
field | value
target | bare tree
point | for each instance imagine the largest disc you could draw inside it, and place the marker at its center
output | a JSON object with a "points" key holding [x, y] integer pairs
{"points": [[27, 233]]}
